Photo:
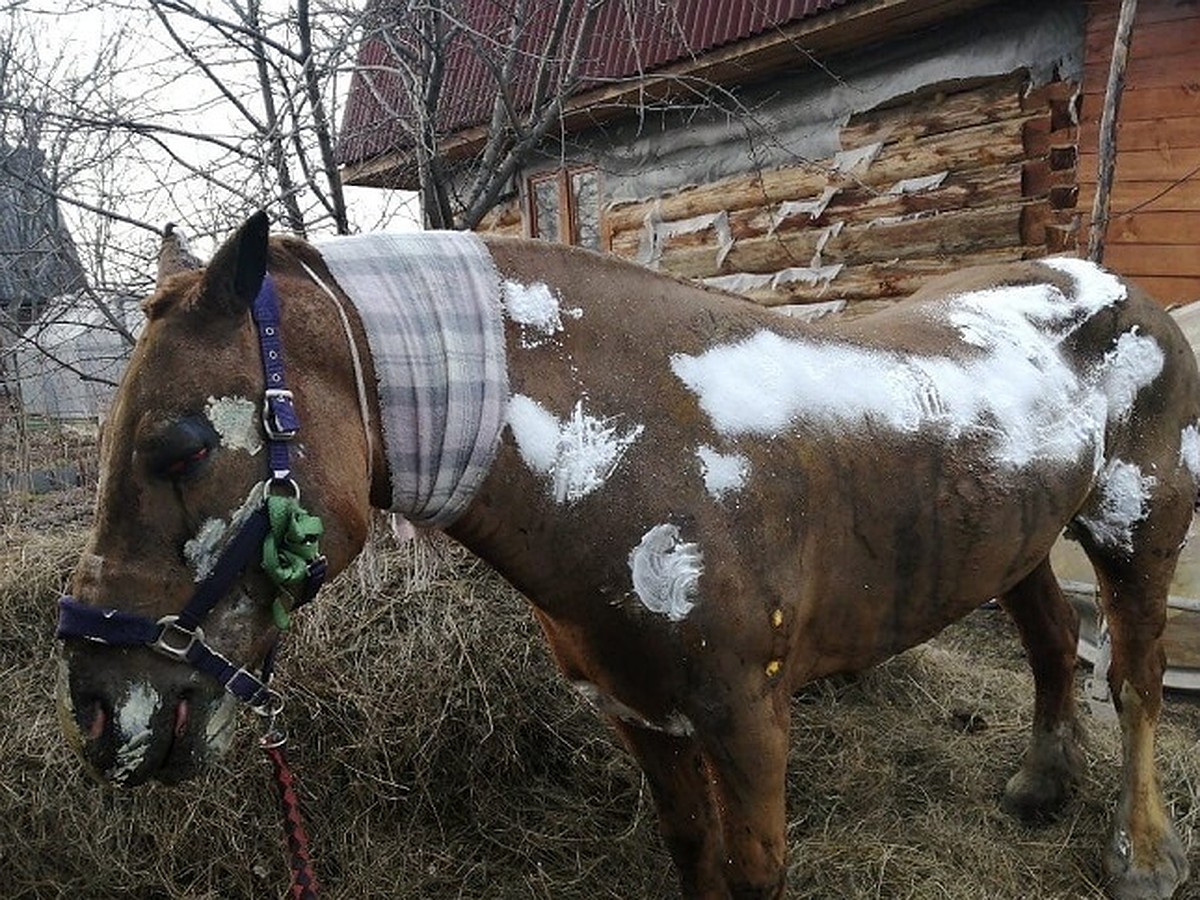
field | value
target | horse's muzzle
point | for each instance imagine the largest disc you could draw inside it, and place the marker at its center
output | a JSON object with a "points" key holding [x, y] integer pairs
{"points": [[163, 723]]}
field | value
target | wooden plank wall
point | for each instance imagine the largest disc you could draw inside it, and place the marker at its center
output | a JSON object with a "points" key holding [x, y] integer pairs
{"points": [[1154, 229], [981, 173]]}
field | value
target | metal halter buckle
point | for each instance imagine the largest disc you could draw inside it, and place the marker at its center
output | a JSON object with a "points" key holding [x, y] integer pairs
{"points": [[270, 420], [176, 650]]}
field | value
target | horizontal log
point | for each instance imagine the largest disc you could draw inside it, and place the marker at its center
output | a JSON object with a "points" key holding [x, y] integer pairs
{"points": [[952, 232], [990, 144], [934, 112], [758, 248], [753, 190], [891, 280]]}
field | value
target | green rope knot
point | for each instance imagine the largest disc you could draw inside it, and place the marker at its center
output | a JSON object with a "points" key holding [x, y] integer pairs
{"points": [[290, 545]]}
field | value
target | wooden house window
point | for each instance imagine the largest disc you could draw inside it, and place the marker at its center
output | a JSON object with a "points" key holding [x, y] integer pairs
{"points": [[564, 206]]}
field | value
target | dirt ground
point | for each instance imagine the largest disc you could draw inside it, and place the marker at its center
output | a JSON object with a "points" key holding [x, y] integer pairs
{"points": [[440, 755]]}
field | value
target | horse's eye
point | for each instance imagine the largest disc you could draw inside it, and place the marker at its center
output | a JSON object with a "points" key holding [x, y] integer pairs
{"points": [[182, 448], [181, 467]]}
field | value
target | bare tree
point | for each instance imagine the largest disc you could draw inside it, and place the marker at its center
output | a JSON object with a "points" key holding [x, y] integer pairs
{"points": [[532, 63]]}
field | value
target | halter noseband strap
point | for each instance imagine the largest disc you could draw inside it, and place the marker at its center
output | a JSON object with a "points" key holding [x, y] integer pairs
{"points": [[180, 637]]}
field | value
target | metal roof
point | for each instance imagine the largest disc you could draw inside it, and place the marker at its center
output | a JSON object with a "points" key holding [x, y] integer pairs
{"points": [[632, 38]]}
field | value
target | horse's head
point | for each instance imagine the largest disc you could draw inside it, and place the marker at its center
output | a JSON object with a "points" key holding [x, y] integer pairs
{"points": [[186, 467]]}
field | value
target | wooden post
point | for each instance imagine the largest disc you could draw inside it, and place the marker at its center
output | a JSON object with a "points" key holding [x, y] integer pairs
{"points": [[1108, 131]]}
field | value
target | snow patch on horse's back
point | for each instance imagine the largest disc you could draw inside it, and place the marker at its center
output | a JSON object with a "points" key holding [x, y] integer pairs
{"points": [[1095, 287], [1006, 379], [723, 473], [1189, 450], [537, 309], [578, 453], [1020, 395], [1133, 363]]}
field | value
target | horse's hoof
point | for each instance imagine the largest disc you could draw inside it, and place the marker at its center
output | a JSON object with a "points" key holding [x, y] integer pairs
{"points": [[1045, 782], [1034, 800], [1127, 881]]}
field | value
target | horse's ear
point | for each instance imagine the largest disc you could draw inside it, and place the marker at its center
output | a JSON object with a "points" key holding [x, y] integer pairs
{"points": [[174, 255], [236, 271]]}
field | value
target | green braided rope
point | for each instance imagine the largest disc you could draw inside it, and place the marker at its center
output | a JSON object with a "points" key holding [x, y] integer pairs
{"points": [[290, 545]]}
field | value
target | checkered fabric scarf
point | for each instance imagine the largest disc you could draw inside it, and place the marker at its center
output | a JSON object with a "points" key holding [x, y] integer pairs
{"points": [[430, 304]]}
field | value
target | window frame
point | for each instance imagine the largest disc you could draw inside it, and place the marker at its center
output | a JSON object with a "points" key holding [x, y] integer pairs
{"points": [[567, 207]]}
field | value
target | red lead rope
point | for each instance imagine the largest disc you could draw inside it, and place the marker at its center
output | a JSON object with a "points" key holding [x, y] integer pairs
{"points": [[304, 881]]}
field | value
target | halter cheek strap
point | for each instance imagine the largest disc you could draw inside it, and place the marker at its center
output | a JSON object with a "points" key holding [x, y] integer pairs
{"points": [[181, 637]]}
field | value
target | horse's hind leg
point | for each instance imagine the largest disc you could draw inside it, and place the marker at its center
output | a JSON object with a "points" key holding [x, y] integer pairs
{"points": [[1145, 857], [1049, 629]]}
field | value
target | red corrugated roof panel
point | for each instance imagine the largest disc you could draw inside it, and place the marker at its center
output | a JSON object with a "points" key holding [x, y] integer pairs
{"points": [[631, 39]]}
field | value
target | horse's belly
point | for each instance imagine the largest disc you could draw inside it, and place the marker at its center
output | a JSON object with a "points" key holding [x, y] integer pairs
{"points": [[892, 556]]}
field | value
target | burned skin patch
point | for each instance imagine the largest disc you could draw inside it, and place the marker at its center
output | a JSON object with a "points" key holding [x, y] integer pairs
{"points": [[204, 549], [221, 724], [675, 723]]}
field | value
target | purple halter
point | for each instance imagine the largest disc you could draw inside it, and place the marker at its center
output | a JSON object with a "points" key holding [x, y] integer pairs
{"points": [[180, 637]]}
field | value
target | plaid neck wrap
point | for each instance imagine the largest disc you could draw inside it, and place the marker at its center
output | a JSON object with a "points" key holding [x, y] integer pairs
{"points": [[430, 304]]}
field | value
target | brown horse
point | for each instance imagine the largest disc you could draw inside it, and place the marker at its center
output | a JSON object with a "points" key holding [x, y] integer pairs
{"points": [[708, 504]]}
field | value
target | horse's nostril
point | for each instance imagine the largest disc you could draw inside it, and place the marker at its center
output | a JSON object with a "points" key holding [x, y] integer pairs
{"points": [[92, 718], [182, 714]]}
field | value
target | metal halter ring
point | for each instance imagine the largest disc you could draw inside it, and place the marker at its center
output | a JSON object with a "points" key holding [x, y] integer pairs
{"points": [[273, 735], [287, 482]]}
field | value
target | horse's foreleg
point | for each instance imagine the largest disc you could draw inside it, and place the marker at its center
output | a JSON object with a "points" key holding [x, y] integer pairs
{"points": [[1049, 629], [1145, 857], [748, 756], [687, 816]]}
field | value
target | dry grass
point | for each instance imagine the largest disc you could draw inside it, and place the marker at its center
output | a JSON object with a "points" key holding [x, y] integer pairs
{"points": [[440, 755]]}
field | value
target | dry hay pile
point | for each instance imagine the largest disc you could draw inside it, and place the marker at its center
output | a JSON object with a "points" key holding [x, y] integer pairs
{"points": [[440, 755]]}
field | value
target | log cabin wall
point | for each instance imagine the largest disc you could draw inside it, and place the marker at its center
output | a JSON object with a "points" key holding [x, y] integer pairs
{"points": [[887, 167], [1154, 227], [942, 180]]}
